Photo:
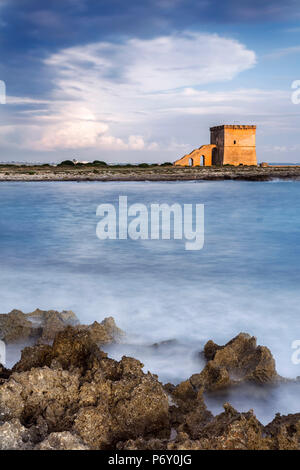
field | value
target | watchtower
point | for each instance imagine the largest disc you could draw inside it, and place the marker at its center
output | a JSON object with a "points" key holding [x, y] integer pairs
{"points": [[234, 145]]}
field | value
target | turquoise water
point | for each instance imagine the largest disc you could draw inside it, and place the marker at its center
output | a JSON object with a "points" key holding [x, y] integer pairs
{"points": [[246, 278]]}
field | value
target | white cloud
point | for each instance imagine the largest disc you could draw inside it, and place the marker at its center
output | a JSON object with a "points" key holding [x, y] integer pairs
{"points": [[163, 63], [17, 100], [136, 142], [146, 95], [284, 52], [106, 89]]}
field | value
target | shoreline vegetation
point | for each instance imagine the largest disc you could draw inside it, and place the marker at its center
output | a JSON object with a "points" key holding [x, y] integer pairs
{"points": [[65, 393], [100, 171]]}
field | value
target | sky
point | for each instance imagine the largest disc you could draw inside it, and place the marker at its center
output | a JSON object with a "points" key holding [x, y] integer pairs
{"points": [[144, 80]]}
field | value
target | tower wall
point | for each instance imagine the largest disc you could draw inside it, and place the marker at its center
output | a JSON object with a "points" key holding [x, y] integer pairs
{"points": [[235, 145], [229, 145]]}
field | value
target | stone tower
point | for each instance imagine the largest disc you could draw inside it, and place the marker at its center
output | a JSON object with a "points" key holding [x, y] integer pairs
{"points": [[229, 145], [234, 145]]}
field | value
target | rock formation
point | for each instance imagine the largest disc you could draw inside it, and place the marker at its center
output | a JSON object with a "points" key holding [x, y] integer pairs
{"points": [[68, 394], [41, 327], [73, 386], [240, 360]]}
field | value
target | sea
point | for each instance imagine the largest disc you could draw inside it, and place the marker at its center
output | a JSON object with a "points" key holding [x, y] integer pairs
{"points": [[170, 301]]}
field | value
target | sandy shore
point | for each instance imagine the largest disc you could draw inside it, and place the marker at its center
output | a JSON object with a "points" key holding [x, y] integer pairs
{"points": [[152, 173]]}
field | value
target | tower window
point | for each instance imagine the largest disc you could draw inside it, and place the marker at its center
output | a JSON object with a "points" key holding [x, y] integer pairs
{"points": [[234, 142]]}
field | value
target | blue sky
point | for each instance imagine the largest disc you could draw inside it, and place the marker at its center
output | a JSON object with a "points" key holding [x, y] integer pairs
{"points": [[144, 80]]}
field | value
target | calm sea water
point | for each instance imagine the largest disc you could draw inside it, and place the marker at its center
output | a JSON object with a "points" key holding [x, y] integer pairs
{"points": [[246, 278]]}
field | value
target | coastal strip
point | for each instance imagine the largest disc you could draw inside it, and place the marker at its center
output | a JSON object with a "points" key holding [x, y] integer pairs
{"points": [[150, 173]]}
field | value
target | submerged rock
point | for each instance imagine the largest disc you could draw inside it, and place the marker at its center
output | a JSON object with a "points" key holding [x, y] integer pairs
{"points": [[165, 343]]}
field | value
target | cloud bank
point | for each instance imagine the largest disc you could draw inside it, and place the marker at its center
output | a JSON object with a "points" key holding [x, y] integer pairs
{"points": [[156, 95], [108, 95]]}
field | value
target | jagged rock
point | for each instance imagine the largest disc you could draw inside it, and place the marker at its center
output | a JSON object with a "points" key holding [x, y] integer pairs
{"points": [[15, 326], [142, 444], [79, 389], [51, 322], [62, 441], [52, 325], [72, 348], [70, 395], [4, 374], [229, 430], [210, 350], [240, 360], [104, 332], [41, 327], [234, 430], [14, 436], [188, 412], [31, 357], [111, 328], [285, 431], [41, 392], [133, 404], [184, 443], [42, 316], [213, 377]]}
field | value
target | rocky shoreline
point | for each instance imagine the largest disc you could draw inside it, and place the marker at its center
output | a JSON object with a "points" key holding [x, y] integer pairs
{"points": [[151, 173], [65, 393]]}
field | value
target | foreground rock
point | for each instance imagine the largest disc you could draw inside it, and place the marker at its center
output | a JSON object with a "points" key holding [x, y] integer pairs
{"points": [[70, 395], [240, 360], [73, 386], [230, 430], [14, 436], [62, 441]]}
